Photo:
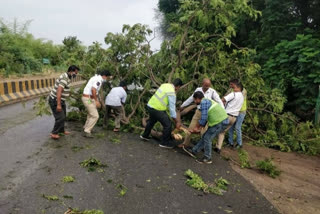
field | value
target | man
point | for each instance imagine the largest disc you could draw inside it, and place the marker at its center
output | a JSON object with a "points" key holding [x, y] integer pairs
{"points": [[238, 124], [114, 101], [233, 103], [91, 101], [160, 102], [217, 119], [209, 93], [57, 98]]}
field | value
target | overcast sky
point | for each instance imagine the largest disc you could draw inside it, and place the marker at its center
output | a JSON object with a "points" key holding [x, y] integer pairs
{"points": [[89, 20]]}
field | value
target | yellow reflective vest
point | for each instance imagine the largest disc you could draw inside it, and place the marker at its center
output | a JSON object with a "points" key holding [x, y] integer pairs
{"points": [[159, 100]]}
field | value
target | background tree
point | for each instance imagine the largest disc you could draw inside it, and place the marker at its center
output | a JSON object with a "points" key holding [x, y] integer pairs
{"points": [[280, 20]]}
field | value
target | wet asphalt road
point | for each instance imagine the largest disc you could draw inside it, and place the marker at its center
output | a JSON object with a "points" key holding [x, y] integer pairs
{"points": [[32, 165]]}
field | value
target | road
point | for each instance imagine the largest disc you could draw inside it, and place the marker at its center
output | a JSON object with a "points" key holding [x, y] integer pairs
{"points": [[32, 165]]}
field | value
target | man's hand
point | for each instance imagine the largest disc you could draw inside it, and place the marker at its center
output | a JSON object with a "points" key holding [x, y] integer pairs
{"points": [[98, 104], [178, 125], [59, 108], [195, 130], [177, 122]]}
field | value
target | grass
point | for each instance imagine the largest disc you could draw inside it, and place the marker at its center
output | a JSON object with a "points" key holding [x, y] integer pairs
{"points": [[244, 159], [267, 166], [196, 182], [115, 140], [68, 179], [51, 197], [92, 164]]}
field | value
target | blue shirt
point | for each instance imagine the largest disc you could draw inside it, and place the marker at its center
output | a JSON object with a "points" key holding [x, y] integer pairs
{"points": [[172, 106], [204, 108]]}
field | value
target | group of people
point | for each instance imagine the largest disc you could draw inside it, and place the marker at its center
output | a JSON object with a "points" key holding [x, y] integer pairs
{"points": [[213, 117], [90, 99]]}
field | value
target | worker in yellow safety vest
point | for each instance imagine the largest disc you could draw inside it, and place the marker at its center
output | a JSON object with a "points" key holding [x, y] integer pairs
{"points": [[164, 99]]}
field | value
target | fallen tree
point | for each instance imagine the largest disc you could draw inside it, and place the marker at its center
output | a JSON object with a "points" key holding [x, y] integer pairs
{"points": [[202, 47]]}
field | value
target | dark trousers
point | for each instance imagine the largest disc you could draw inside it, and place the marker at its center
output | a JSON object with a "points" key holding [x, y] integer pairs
{"points": [[59, 117], [117, 111], [165, 121]]}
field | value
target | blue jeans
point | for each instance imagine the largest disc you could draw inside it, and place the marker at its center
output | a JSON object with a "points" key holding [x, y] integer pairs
{"points": [[237, 125], [209, 135]]}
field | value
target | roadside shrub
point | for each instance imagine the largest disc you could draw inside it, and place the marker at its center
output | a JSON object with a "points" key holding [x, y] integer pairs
{"points": [[266, 166]]}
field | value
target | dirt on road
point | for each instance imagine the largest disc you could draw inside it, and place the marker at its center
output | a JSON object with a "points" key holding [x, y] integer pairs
{"points": [[295, 191]]}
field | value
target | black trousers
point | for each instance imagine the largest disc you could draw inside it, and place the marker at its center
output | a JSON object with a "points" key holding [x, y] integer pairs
{"points": [[59, 117], [165, 121]]}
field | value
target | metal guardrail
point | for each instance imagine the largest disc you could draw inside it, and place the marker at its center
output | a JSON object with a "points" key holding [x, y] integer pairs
{"points": [[17, 90]]}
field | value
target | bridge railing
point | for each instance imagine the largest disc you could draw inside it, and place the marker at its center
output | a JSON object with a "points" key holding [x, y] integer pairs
{"points": [[22, 89]]}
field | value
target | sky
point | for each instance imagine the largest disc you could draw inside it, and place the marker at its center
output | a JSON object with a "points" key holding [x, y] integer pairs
{"points": [[89, 20]]}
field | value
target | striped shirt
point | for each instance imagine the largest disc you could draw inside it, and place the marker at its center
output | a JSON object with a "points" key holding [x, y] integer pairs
{"points": [[63, 81]]}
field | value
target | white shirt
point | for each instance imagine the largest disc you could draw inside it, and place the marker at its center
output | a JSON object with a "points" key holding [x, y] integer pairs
{"points": [[234, 103], [95, 82], [116, 97], [210, 94]]}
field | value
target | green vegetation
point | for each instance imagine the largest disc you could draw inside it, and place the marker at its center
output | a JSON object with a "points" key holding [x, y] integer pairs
{"points": [[42, 106], [222, 183], [122, 189], [51, 197], [21, 53], [266, 166], [244, 158], [195, 181], [271, 46], [76, 148], [92, 164], [77, 211], [115, 140], [283, 39], [100, 135], [68, 179], [68, 196]]}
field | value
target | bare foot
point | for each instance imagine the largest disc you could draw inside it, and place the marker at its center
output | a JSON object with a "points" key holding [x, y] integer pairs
{"points": [[55, 136], [67, 133], [116, 130]]}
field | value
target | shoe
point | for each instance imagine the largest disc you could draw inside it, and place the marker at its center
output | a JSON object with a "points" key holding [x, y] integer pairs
{"points": [[144, 138], [87, 135], [190, 152], [167, 146], [204, 160], [231, 146], [239, 147], [217, 150]]}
